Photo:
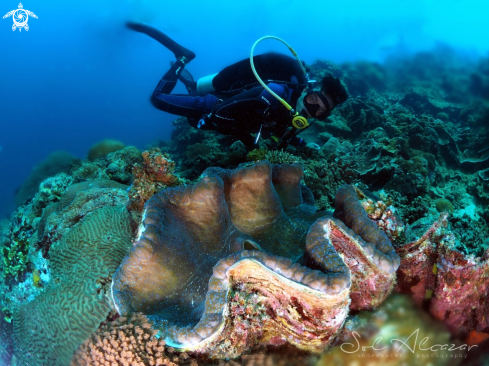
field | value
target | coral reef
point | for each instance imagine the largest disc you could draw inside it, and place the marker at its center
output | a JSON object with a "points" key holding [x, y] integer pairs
{"points": [[78, 201], [414, 134], [452, 285], [15, 246], [443, 205], [127, 342], [281, 157], [187, 241], [6, 347], [153, 174], [56, 162], [103, 148], [115, 166], [47, 330], [256, 155], [131, 341], [120, 164]]}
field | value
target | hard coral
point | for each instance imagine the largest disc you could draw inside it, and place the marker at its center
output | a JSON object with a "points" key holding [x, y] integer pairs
{"points": [[442, 204], [120, 164], [79, 200], [155, 173], [281, 157], [127, 342], [256, 155], [50, 328], [398, 319], [56, 162], [103, 148], [15, 243]]}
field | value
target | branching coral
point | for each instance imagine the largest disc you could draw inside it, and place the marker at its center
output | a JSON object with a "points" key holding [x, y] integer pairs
{"points": [[281, 157]]}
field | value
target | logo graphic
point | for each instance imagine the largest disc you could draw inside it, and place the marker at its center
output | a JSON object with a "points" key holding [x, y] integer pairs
{"points": [[20, 17]]}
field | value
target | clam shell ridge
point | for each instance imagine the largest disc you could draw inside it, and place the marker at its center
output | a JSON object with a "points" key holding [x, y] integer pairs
{"points": [[367, 251], [220, 266]]}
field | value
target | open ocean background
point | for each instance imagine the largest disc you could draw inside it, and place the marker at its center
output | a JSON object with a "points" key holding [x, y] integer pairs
{"points": [[79, 76]]}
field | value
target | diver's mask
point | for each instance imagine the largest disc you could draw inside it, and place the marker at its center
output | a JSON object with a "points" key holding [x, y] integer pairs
{"points": [[313, 108]]}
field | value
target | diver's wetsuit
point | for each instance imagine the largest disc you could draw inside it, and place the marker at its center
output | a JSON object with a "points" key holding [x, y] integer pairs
{"points": [[239, 105]]}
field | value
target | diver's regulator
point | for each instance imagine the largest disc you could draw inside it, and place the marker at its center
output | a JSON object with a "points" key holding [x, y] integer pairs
{"points": [[298, 121]]}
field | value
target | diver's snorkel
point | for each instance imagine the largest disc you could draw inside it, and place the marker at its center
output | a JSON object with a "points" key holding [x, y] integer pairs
{"points": [[298, 121]]}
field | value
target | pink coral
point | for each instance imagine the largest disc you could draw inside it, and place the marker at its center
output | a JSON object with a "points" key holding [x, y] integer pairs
{"points": [[453, 285]]}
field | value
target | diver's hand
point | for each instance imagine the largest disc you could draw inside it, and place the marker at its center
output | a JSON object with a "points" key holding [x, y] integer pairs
{"points": [[297, 142]]}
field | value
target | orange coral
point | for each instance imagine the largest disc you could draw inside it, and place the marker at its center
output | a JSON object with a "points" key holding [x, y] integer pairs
{"points": [[155, 173], [126, 342]]}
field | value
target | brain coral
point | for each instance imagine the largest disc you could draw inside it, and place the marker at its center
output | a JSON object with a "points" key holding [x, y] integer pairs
{"points": [[79, 200], [239, 259], [50, 328]]}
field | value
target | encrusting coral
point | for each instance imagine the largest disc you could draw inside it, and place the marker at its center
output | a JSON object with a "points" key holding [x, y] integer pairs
{"points": [[154, 173], [198, 269]]}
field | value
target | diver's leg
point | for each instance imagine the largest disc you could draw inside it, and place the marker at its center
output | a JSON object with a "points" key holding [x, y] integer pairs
{"points": [[184, 105], [188, 80], [169, 80], [161, 37]]}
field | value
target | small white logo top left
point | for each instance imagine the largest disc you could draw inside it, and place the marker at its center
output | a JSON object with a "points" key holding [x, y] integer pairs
{"points": [[20, 17]]}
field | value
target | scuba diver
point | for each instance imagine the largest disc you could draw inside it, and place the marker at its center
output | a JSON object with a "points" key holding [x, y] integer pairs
{"points": [[233, 102]]}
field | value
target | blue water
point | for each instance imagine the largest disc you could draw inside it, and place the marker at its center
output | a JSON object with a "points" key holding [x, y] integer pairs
{"points": [[78, 76]]}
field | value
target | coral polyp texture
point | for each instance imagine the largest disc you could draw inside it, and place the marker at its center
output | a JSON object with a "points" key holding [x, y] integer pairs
{"points": [[47, 330], [78, 201], [454, 286], [240, 259]]}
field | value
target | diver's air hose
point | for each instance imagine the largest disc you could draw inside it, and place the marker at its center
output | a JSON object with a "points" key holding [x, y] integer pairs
{"points": [[298, 121]]}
